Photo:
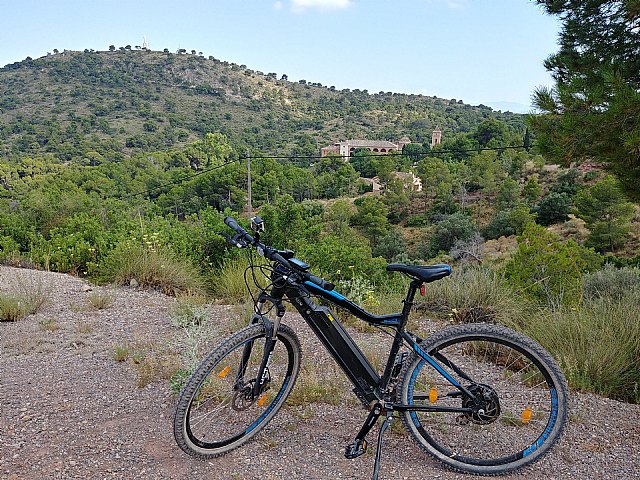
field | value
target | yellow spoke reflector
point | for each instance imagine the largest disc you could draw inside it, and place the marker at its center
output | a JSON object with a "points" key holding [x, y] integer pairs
{"points": [[262, 399], [433, 395], [224, 372], [526, 415]]}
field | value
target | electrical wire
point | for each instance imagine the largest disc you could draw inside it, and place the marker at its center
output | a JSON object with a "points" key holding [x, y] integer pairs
{"points": [[311, 157]]}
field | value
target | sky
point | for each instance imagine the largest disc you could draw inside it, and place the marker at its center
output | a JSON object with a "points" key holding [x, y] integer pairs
{"points": [[477, 51]]}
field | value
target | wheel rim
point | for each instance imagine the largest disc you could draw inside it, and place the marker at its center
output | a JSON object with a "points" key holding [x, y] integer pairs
{"points": [[515, 419], [222, 411]]}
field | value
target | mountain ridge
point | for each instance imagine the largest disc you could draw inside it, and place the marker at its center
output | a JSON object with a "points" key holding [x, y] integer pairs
{"points": [[121, 102]]}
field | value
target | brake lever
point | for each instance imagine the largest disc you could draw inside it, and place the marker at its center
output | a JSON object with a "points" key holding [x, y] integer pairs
{"points": [[236, 240]]}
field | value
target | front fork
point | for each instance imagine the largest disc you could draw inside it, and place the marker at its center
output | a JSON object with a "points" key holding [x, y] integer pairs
{"points": [[271, 328]]}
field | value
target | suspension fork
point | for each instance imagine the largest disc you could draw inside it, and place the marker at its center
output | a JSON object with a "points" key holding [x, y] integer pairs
{"points": [[271, 330]]}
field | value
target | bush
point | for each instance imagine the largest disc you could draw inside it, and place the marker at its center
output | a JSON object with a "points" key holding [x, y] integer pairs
{"points": [[554, 208], [155, 268], [453, 228], [509, 222], [611, 282], [549, 270], [477, 294], [597, 344], [338, 258]]}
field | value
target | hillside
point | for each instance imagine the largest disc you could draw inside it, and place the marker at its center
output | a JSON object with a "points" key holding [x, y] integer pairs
{"points": [[125, 101], [69, 410]]}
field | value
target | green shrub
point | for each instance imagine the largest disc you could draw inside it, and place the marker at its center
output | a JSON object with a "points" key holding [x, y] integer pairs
{"points": [[476, 294], [554, 208], [153, 267], [549, 270], [597, 344], [509, 222], [452, 228], [12, 308], [343, 258], [611, 282], [9, 248]]}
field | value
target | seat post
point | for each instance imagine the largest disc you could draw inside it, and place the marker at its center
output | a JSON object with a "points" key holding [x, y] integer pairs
{"points": [[408, 302]]}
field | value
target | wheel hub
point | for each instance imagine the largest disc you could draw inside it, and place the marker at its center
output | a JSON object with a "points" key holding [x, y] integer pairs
{"points": [[485, 404]]}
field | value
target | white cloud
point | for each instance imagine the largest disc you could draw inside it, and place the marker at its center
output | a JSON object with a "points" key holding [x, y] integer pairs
{"points": [[278, 5], [301, 5]]}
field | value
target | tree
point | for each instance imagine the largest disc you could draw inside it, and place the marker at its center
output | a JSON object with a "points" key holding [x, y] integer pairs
{"points": [[453, 228], [508, 195], [548, 269], [607, 214], [489, 130], [593, 112], [338, 215], [486, 171], [391, 246], [554, 208], [432, 172], [397, 200], [371, 218], [531, 190]]}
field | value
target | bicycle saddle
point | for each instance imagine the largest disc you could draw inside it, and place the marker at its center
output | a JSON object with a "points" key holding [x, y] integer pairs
{"points": [[424, 273]]}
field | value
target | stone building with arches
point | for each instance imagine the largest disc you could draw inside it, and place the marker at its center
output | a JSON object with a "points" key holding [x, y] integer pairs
{"points": [[348, 147]]}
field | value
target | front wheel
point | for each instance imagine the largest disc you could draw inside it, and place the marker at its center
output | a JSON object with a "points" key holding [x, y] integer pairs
{"points": [[520, 402], [219, 409]]}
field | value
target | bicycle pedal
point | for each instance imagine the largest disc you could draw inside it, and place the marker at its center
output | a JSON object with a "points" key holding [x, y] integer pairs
{"points": [[357, 448]]}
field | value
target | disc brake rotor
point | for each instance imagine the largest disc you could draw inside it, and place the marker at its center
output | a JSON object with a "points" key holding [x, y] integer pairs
{"points": [[485, 406]]}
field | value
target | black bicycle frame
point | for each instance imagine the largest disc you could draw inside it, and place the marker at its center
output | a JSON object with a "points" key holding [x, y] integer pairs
{"points": [[348, 355]]}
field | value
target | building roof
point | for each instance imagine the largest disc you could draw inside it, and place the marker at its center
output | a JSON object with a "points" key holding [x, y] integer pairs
{"points": [[370, 143]]}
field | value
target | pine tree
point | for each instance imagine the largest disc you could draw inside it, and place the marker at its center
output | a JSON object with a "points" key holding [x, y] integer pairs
{"points": [[593, 112]]}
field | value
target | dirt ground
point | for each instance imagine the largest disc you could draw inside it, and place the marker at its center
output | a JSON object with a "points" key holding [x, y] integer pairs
{"points": [[69, 410]]}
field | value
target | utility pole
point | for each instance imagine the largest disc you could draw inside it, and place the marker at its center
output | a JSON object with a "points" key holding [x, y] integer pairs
{"points": [[250, 208]]}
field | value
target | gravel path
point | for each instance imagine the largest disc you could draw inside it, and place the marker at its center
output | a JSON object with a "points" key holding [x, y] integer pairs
{"points": [[69, 410]]}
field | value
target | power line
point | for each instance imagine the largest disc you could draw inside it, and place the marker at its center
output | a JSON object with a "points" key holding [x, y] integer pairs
{"points": [[310, 157], [393, 154], [184, 179]]}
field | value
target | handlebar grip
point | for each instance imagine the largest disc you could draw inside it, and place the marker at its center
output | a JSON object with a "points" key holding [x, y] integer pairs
{"points": [[278, 258], [233, 224], [320, 282]]}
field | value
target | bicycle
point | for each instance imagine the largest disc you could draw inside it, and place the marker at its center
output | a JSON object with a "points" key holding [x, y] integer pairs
{"points": [[481, 398]]}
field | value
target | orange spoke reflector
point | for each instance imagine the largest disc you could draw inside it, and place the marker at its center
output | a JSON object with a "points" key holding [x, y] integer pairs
{"points": [[526, 415], [262, 399], [224, 372], [433, 395]]}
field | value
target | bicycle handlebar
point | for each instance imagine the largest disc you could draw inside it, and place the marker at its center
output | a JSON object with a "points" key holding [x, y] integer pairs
{"points": [[269, 252], [274, 254], [233, 224]]}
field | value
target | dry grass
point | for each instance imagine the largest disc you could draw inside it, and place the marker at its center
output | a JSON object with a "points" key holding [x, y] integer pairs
{"points": [[28, 294], [101, 299], [476, 294], [150, 361], [318, 384], [596, 343], [156, 269], [230, 281]]}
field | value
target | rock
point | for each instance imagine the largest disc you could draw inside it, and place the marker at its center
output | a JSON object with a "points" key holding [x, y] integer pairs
{"points": [[133, 283]]}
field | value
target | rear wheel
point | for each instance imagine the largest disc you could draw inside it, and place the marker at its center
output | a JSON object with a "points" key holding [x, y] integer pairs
{"points": [[218, 409], [520, 406]]}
